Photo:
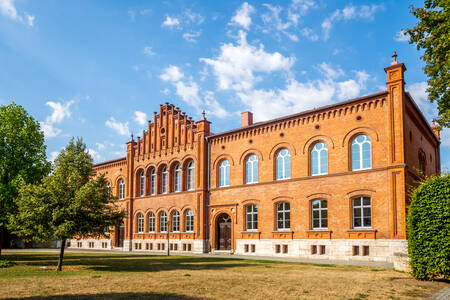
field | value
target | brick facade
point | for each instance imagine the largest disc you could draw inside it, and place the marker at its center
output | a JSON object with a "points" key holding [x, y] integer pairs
{"points": [[401, 143]]}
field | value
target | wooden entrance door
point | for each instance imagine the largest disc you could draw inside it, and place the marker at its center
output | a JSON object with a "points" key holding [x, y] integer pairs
{"points": [[120, 235], [224, 232]]}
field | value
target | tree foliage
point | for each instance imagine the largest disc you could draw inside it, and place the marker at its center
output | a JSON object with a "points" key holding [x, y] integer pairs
{"points": [[22, 157], [67, 204], [429, 229], [431, 33]]}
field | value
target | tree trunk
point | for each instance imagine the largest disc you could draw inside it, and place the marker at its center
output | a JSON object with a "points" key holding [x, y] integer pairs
{"points": [[1, 239], [61, 255]]}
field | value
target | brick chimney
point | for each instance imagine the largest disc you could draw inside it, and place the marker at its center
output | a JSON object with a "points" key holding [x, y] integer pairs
{"points": [[246, 118]]}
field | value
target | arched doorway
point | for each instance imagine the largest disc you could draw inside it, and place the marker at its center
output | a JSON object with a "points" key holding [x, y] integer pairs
{"points": [[223, 232], [120, 234]]}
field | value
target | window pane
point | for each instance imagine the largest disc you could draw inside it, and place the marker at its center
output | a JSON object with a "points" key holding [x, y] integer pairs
{"points": [[324, 213], [355, 157], [316, 224], [323, 162], [367, 222], [366, 211], [357, 212], [255, 171], [324, 203], [287, 223], [279, 168], [315, 214], [366, 155], [316, 204], [357, 201], [366, 201], [324, 223], [287, 167], [357, 222], [314, 162]]}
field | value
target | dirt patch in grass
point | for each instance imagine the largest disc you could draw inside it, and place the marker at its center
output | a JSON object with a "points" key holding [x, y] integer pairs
{"points": [[117, 276]]}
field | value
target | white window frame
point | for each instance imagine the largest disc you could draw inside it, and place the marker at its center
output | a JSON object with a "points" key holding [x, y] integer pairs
{"points": [[164, 180], [361, 208], [284, 220], [251, 217], [224, 165], [140, 223], [190, 176], [176, 221], [151, 222], [121, 189], [142, 184], [319, 160], [360, 145], [283, 158], [108, 189], [153, 182], [163, 222], [250, 166], [189, 221], [319, 209], [177, 178]]}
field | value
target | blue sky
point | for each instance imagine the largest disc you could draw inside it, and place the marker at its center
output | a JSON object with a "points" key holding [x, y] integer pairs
{"points": [[99, 69]]}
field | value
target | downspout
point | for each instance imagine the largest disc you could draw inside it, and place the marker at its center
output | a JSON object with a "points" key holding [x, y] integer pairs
{"points": [[208, 151]]}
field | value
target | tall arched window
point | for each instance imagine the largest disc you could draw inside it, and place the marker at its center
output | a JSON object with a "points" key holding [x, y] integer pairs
{"points": [[175, 221], [153, 182], [163, 222], [190, 176], [142, 184], [362, 212], [177, 178], [140, 223], [283, 216], [319, 160], [319, 214], [224, 173], [251, 168], [189, 221], [164, 181], [151, 222], [108, 189], [121, 189], [283, 164], [251, 217], [361, 153]]}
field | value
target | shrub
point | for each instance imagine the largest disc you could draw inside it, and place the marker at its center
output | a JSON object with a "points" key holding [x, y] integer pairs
{"points": [[429, 229], [5, 263]]}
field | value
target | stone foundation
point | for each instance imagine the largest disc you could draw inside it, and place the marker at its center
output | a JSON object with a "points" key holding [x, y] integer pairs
{"points": [[378, 250]]}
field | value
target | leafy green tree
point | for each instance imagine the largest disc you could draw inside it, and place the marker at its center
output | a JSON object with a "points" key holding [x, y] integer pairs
{"points": [[67, 204], [431, 33], [22, 157]]}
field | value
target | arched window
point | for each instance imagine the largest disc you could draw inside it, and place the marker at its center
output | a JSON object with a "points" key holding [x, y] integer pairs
{"points": [[163, 222], [121, 189], [319, 160], [283, 164], [251, 217], [151, 222], [362, 212], [422, 161], [176, 221], [190, 176], [108, 190], [140, 223], [153, 182], [319, 214], [251, 168], [283, 216], [189, 221], [361, 153], [177, 178], [164, 181], [142, 184], [224, 173]]}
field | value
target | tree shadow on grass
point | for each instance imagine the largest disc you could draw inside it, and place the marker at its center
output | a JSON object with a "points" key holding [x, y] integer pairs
{"points": [[131, 263], [165, 296]]}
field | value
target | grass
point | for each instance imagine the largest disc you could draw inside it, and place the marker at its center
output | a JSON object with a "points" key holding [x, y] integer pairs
{"points": [[125, 276]]}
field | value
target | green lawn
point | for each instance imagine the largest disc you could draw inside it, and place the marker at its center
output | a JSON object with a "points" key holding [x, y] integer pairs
{"points": [[125, 276]]}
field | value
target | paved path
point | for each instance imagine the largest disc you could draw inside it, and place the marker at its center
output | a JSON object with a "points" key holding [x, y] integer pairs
{"points": [[229, 256], [443, 294]]}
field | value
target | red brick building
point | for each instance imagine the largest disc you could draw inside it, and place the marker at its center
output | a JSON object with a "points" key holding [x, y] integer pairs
{"points": [[325, 183]]}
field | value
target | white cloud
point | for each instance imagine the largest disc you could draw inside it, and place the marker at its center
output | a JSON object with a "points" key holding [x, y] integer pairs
{"points": [[140, 117], [148, 51], [300, 96], [236, 65], [59, 113], [309, 33], [192, 17], [53, 155], [121, 128], [191, 36], [328, 71], [171, 22], [349, 12], [418, 91], [171, 73], [242, 16], [95, 155], [8, 9], [401, 36], [165, 91], [188, 92]]}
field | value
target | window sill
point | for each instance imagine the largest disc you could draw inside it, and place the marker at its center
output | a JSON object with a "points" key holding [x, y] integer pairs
{"points": [[251, 231], [283, 231], [319, 230], [361, 229]]}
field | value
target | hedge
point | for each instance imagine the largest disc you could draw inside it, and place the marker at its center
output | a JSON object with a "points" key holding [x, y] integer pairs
{"points": [[429, 229]]}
